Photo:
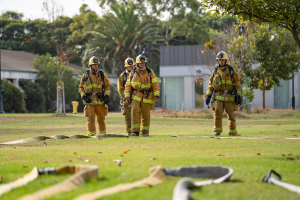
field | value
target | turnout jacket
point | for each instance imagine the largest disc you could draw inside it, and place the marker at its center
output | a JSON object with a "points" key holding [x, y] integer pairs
{"points": [[223, 81], [93, 86], [140, 81], [120, 84]]}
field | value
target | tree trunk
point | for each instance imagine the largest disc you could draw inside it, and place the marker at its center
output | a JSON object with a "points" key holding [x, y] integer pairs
{"points": [[263, 95], [60, 102], [296, 37], [167, 36], [113, 71]]}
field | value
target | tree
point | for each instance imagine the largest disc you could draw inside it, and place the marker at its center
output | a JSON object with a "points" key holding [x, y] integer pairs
{"points": [[25, 35], [47, 77], [284, 13], [59, 29], [13, 97], [79, 36], [116, 36], [277, 58], [184, 26], [35, 98], [189, 29], [155, 9], [239, 45]]}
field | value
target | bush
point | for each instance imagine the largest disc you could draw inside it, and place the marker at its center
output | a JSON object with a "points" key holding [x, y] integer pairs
{"points": [[114, 100], [13, 98], [35, 98]]}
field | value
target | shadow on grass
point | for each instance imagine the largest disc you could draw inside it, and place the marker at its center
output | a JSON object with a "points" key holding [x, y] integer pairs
{"points": [[288, 158], [102, 178]]}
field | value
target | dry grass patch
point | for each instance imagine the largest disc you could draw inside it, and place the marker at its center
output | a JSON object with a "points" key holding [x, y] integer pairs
{"points": [[203, 114]]}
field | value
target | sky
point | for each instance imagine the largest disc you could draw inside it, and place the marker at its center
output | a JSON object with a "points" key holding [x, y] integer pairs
{"points": [[32, 9]]}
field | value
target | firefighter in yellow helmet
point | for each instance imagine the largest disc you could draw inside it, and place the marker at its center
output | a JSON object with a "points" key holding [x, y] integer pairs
{"points": [[142, 91], [94, 89], [224, 91], [124, 76]]}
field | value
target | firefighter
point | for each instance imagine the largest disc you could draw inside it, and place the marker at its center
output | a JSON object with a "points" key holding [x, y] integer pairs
{"points": [[94, 89], [125, 110], [225, 87], [141, 91]]}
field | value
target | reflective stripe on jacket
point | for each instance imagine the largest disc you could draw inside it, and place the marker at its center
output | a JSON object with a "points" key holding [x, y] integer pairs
{"points": [[120, 85], [222, 81], [140, 81], [93, 86]]}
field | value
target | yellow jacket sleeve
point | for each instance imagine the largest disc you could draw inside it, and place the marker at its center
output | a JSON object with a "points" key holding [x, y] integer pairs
{"points": [[107, 86], [237, 83], [127, 87], [210, 87], [80, 88], [120, 86], [155, 84]]}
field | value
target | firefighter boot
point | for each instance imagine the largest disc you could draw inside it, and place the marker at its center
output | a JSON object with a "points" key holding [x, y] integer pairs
{"points": [[134, 134]]}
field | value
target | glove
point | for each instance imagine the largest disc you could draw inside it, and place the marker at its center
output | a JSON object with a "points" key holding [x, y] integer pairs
{"points": [[87, 99], [127, 100], [207, 101], [238, 100], [156, 98], [106, 99], [99, 95]]}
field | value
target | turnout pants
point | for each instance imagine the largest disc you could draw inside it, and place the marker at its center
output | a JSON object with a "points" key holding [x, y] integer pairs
{"points": [[140, 114], [218, 108], [126, 111], [90, 111]]}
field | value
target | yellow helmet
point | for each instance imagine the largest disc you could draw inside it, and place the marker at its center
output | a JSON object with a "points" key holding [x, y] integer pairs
{"points": [[222, 55], [141, 59], [129, 62], [94, 60]]}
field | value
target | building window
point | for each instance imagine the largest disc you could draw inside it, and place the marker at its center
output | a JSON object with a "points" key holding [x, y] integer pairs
{"points": [[281, 95], [172, 93], [199, 102]]}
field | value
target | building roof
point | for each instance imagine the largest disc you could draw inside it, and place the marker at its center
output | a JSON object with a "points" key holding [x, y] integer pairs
{"points": [[190, 55], [21, 61]]}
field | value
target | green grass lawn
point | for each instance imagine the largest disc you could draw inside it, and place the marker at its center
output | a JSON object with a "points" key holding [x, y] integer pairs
{"points": [[249, 168]]}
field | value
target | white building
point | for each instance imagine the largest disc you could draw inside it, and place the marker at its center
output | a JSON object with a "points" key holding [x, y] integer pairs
{"points": [[16, 65], [183, 90]]}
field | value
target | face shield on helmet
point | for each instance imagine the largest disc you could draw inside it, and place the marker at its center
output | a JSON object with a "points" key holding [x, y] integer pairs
{"points": [[94, 60], [129, 62], [141, 59], [222, 56]]}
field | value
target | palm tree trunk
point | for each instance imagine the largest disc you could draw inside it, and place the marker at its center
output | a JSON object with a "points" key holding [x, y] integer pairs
{"points": [[113, 71]]}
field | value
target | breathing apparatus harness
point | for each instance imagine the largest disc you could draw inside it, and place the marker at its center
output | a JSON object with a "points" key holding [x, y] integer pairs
{"points": [[143, 91], [86, 77], [237, 99]]}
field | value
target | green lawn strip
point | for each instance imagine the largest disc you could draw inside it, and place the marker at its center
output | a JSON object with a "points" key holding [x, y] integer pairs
{"points": [[248, 167]]}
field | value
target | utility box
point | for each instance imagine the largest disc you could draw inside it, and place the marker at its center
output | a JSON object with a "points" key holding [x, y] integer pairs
{"points": [[75, 106]]}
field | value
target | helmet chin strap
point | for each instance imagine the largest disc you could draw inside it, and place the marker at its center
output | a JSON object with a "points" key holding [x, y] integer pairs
{"points": [[222, 67], [141, 68], [94, 71]]}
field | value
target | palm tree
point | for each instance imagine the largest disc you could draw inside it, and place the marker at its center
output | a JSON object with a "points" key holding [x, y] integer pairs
{"points": [[116, 36]]}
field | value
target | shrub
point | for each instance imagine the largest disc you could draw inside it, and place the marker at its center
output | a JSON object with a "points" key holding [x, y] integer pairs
{"points": [[35, 98], [13, 97]]}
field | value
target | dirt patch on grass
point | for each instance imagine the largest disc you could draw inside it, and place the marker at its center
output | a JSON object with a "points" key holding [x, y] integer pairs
{"points": [[203, 114], [66, 115]]}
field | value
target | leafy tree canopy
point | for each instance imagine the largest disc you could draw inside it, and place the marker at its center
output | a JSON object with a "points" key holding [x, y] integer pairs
{"points": [[284, 13], [116, 37], [277, 57]]}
